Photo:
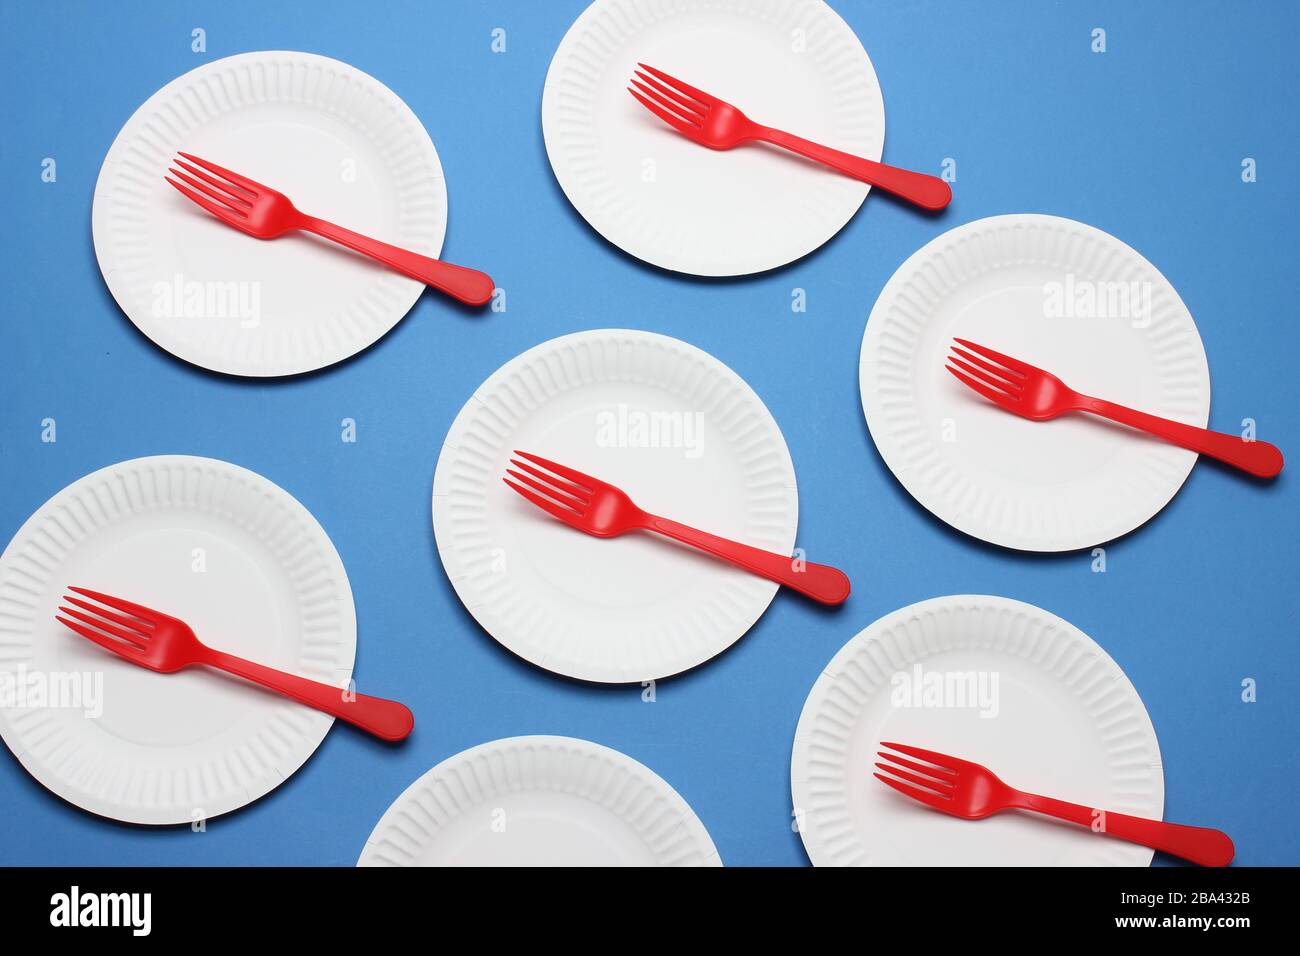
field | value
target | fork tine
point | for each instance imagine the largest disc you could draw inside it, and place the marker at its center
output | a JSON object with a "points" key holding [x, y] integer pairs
{"points": [[672, 119], [916, 793], [130, 637], [117, 647], [563, 484], [577, 492], [941, 761], [942, 774], [146, 614], [703, 98], [221, 184], [692, 107], [693, 118], [577, 505], [1011, 388], [585, 482], [1013, 364], [249, 184], [130, 623], [550, 507], [993, 395], [216, 195], [942, 789], [224, 213], [1016, 378]]}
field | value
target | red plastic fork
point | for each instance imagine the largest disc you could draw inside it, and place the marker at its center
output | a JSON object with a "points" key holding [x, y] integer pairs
{"points": [[166, 644], [600, 509], [967, 790], [267, 214], [717, 124], [1031, 393]]}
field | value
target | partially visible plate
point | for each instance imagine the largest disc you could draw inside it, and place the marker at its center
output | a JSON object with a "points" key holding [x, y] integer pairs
{"points": [[987, 679], [338, 143], [792, 64], [677, 430], [234, 556], [1068, 298], [539, 801]]}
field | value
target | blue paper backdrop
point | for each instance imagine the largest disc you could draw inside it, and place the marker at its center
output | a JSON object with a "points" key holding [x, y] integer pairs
{"points": [[1145, 141]]}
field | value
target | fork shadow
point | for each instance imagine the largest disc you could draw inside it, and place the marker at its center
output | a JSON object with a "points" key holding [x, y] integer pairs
{"points": [[284, 790], [266, 693], [809, 257], [539, 675], [1005, 551], [339, 254], [1042, 820]]}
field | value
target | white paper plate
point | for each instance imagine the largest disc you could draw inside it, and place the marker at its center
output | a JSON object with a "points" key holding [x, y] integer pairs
{"points": [[1065, 722], [1019, 284], [338, 143], [624, 609], [539, 801], [792, 64], [230, 553]]}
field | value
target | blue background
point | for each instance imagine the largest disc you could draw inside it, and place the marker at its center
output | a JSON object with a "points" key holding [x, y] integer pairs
{"points": [[1144, 141]]}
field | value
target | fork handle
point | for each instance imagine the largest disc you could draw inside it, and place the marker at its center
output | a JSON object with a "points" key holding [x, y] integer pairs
{"points": [[818, 581], [468, 285], [1259, 458], [1201, 845], [928, 192], [386, 719]]}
